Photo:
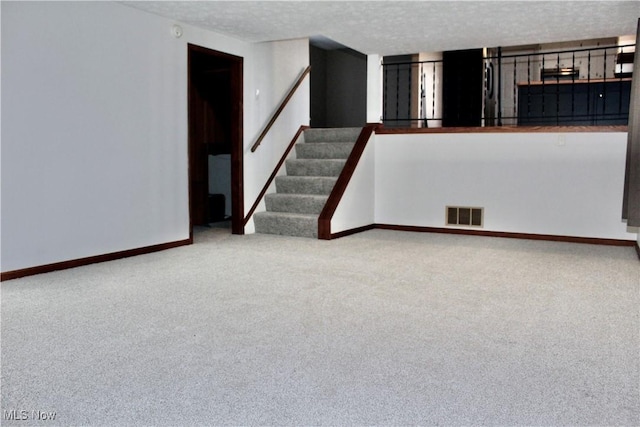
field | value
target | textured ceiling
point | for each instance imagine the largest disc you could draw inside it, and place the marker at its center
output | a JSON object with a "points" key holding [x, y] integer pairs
{"points": [[399, 27]]}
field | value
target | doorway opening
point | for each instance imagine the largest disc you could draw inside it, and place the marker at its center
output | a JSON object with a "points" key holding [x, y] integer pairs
{"points": [[215, 139], [338, 84]]}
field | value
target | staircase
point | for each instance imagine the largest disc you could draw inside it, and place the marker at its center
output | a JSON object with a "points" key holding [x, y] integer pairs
{"points": [[301, 194]]}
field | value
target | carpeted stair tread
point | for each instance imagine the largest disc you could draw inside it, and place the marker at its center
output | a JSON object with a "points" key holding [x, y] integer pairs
{"points": [[287, 224], [302, 193], [324, 150], [315, 167], [305, 184], [295, 203]]}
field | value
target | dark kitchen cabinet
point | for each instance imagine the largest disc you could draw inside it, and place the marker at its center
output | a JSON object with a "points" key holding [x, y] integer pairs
{"points": [[579, 103]]}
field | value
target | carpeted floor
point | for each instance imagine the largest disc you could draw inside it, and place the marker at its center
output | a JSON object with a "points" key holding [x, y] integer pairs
{"points": [[379, 328]]}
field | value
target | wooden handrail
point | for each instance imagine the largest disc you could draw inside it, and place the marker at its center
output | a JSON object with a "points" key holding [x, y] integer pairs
{"points": [[274, 174], [324, 220], [280, 108]]}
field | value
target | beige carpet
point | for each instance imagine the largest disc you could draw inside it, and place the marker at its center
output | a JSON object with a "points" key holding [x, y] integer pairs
{"points": [[379, 328]]}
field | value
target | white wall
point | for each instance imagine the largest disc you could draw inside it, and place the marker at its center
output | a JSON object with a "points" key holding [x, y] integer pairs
{"points": [[273, 72], [567, 184], [357, 206], [94, 126], [374, 89]]}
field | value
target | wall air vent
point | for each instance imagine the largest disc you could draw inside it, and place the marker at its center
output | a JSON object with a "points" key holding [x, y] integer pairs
{"points": [[465, 216]]}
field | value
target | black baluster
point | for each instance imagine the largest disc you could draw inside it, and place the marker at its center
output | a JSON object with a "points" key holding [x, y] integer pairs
{"points": [[528, 85], [499, 100], [589, 84], [397, 93], [573, 84], [421, 114], [385, 93], [619, 86], [410, 98], [604, 86], [542, 75], [515, 87], [558, 89], [433, 93]]}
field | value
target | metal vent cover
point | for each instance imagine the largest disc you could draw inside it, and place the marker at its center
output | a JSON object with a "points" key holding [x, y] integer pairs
{"points": [[464, 216]]}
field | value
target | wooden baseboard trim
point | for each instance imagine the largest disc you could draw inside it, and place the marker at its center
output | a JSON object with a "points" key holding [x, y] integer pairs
{"points": [[47, 268], [15, 274], [352, 231], [547, 237]]}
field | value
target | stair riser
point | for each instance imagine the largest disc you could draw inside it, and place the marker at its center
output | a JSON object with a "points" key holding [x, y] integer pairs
{"points": [[286, 226], [303, 205], [332, 135], [334, 150], [304, 185], [308, 167]]}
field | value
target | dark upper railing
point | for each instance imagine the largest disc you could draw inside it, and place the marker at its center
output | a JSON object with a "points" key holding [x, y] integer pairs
{"points": [[280, 108], [586, 86]]}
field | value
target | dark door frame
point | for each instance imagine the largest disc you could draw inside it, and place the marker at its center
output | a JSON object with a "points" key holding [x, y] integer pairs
{"points": [[462, 83], [235, 63]]}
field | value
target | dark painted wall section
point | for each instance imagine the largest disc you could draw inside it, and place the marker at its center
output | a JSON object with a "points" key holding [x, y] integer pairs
{"points": [[338, 87], [631, 198], [318, 82], [462, 83]]}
